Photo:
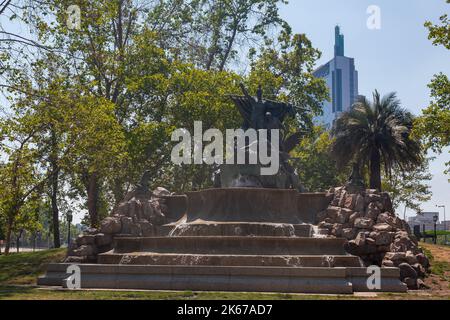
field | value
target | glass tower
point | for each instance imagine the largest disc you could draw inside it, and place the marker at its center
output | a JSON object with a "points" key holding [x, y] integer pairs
{"points": [[341, 78]]}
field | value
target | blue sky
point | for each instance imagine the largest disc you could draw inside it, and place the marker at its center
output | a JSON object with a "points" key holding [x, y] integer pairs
{"points": [[398, 57]]}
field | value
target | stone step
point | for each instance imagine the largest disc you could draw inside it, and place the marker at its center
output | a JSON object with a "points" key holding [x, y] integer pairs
{"points": [[229, 229], [201, 278], [223, 278], [390, 280], [233, 245], [145, 258]]}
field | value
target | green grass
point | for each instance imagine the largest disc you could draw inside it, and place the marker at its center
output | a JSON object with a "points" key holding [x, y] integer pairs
{"points": [[19, 271], [439, 233], [33, 293], [24, 268], [441, 269], [428, 253]]}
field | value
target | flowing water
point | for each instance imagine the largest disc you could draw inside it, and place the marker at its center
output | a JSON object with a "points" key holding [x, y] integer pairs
{"points": [[317, 234]]}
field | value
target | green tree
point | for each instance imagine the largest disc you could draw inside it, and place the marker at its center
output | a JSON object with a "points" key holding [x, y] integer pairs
{"points": [[200, 95], [20, 177], [315, 165], [27, 221], [284, 70], [434, 124], [112, 91], [212, 34], [440, 34], [410, 188], [377, 133]]}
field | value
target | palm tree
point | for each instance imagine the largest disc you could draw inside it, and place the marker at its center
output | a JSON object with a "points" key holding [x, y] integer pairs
{"points": [[376, 133]]}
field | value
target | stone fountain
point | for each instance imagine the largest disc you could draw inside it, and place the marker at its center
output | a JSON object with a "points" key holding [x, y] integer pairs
{"points": [[259, 238]]}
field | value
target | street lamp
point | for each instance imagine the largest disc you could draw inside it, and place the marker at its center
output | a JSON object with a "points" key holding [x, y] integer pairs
{"points": [[69, 217], [435, 219], [445, 223]]}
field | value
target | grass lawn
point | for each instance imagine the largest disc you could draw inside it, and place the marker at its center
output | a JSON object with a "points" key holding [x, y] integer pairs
{"points": [[24, 268], [439, 280], [18, 273]]}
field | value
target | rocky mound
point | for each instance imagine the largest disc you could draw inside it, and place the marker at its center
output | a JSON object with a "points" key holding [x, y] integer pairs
{"points": [[137, 216], [374, 233]]}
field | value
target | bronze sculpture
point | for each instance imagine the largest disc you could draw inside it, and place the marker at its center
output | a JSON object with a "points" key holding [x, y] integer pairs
{"points": [[259, 113]]}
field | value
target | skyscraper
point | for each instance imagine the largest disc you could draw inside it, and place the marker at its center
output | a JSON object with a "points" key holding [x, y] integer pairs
{"points": [[342, 80]]}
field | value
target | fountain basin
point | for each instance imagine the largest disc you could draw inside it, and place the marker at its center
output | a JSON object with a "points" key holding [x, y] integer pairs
{"points": [[254, 205], [167, 259], [208, 228]]}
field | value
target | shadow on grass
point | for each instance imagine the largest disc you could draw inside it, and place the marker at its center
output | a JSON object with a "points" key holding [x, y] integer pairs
{"points": [[7, 292]]}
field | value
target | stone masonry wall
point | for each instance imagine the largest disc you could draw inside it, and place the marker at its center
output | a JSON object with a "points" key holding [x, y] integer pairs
{"points": [[137, 216], [374, 233]]}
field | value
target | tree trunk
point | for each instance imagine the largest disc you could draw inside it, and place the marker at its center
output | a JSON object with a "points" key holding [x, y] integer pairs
{"points": [[118, 191], [8, 235], [54, 190], [214, 48], [18, 240], [55, 210], [375, 170], [92, 199], [229, 48]]}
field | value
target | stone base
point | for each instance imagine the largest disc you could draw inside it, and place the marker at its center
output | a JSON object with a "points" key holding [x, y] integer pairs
{"points": [[201, 278], [218, 263], [144, 258], [256, 240], [232, 245]]}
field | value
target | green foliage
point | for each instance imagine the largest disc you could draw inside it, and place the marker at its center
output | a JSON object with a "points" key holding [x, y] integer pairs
{"points": [[285, 71], [212, 34], [315, 165], [21, 180], [410, 187], [98, 104], [428, 253], [376, 133], [434, 125], [440, 34], [438, 232]]}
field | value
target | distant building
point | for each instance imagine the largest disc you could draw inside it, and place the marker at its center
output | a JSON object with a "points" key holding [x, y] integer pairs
{"points": [[342, 80], [427, 219], [444, 225]]}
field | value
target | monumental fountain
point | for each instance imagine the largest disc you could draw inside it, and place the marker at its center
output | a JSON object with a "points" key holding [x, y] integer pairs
{"points": [[250, 233]]}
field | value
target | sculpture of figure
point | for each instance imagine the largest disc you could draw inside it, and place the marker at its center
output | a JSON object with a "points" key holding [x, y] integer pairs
{"points": [[254, 111], [144, 184], [355, 182], [259, 113], [272, 123]]}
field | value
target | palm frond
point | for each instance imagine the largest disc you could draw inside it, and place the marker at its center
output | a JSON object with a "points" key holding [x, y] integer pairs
{"points": [[382, 125]]}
